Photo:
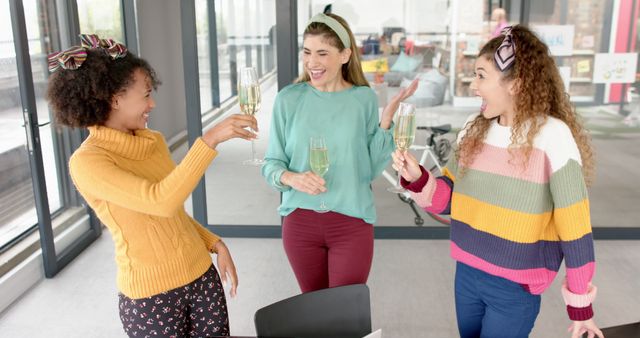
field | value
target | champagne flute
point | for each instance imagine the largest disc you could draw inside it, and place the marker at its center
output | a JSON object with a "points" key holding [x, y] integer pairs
{"points": [[249, 99], [319, 162], [403, 135]]}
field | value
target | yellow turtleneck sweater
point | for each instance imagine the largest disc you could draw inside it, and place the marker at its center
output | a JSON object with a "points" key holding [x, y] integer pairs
{"points": [[138, 192]]}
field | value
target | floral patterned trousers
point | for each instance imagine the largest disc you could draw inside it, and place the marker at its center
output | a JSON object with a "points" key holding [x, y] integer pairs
{"points": [[198, 309]]}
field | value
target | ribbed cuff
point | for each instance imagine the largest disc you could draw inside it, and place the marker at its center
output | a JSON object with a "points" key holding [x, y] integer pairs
{"points": [[580, 313], [391, 127], [277, 183], [210, 239], [417, 185]]}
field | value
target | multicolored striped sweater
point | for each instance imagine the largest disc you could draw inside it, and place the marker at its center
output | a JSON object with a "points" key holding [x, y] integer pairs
{"points": [[519, 222]]}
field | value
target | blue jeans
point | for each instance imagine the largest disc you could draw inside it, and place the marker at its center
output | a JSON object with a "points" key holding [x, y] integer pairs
{"points": [[490, 306]]}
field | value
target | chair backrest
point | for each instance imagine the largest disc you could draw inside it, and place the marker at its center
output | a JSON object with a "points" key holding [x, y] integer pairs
{"points": [[343, 311]]}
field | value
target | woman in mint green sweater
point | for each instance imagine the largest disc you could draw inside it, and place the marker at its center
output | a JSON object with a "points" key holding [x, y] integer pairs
{"points": [[331, 99]]}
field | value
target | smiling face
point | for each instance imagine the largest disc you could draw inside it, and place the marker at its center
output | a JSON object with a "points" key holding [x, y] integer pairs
{"points": [[497, 93], [130, 109], [323, 62]]}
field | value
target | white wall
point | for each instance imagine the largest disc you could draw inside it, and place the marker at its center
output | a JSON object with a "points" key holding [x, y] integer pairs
{"points": [[369, 16], [160, 43]]}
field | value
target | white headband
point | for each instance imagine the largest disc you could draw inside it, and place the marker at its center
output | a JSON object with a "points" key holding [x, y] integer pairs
{"points": [[335, 26]]}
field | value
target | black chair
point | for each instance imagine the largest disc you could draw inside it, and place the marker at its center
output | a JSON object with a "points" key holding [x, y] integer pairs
{"points": [[622, 331], [343, 312]]}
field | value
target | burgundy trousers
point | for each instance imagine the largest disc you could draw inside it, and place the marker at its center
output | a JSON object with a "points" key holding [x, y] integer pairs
{"points": [[327, 249]]}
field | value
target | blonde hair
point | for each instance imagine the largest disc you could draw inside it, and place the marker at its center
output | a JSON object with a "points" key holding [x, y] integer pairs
{"points": [[499, 15], [540, 94], [352, 70]]}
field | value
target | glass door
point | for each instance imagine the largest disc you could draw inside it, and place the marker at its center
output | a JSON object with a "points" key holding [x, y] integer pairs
{"points": [[17, 202], [39, 187]]}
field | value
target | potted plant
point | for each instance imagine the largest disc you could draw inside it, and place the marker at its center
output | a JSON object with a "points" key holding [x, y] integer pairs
{"points": [[378, 78]]}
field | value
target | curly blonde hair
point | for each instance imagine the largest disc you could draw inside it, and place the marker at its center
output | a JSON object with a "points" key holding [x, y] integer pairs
{"points": [[539, 94]]}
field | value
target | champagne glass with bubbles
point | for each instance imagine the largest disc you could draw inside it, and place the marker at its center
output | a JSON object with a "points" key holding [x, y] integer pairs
{"points": [[249, 99], [319, 162], [403, 135]]}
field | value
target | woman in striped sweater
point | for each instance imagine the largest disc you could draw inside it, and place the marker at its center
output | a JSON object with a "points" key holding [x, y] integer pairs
{"points": [[516, 192]]}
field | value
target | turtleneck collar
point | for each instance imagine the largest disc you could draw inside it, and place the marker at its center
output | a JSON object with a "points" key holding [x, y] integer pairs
{"points": [[135, 147]]}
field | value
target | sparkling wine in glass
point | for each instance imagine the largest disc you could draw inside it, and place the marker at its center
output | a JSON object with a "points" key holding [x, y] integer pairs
{"points": [[319, 162], [403, 135], [249, 99]]}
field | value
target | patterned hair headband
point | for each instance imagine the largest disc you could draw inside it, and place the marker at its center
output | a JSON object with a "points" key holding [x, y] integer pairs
{"points": [[506, 53], [72, 58], [335, 26]]}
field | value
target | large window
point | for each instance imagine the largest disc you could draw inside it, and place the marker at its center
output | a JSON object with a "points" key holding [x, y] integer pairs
{"points": [[207, 101], [102, 17], [245, 32], [17, 204], [246, 38], [17, 208]]}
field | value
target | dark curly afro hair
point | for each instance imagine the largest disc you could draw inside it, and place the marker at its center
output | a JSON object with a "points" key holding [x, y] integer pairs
{"points": [[82, 97]]}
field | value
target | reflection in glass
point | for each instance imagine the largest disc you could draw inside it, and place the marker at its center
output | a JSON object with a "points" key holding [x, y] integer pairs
{"points": [[204, 66], [17, 206]]}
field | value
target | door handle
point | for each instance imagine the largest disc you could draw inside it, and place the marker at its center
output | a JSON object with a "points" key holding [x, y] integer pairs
{"points": [[40, 125]]}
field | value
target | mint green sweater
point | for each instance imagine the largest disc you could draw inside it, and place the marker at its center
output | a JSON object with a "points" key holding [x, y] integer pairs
{"points": [[358, 148]]}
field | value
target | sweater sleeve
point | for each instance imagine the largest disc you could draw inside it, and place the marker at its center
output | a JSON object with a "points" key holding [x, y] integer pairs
{"points": [[209, 238], [98, 177], [571, 218], [431, 193], [276, 160], [379, 140], [434, 194]]}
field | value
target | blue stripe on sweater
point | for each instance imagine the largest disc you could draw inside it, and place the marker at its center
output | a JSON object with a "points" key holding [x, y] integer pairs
{"points": [[520, 256]]}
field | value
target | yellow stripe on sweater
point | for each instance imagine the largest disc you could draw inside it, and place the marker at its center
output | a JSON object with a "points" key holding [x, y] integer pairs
{"points": [[574, 221], [448, 173], [518, 226]]}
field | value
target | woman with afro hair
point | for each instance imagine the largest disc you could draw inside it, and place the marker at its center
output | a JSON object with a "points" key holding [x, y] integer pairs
{"points": [[167, 282]]}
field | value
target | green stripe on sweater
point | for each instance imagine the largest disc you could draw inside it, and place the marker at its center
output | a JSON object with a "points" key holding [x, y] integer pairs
{"points": [[506, 192], [567, 185]]}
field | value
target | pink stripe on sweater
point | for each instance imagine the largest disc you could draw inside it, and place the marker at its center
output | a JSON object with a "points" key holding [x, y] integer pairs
{"points": [[537, 280], [435, 195], [424, 197], [578, 279], [499, 161], [441, 197]]}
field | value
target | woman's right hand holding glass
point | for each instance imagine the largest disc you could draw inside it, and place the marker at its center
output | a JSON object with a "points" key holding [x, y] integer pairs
{"points": [[306, 182], [233, 126], [407, 165]]}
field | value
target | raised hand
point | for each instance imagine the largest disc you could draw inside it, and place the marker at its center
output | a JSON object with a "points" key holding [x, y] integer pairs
{"points": [[392, 107], [407, 165], [233, 126]]}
